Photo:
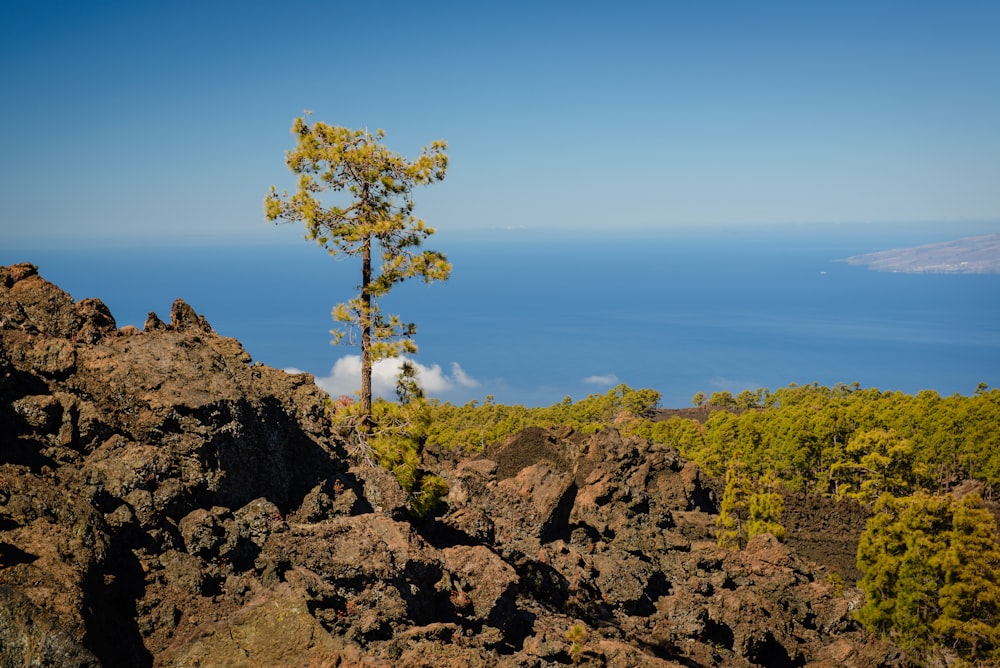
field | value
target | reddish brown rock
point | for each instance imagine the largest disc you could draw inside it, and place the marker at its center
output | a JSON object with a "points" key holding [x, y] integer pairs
{"points": [[166, 501], [480, 585]]}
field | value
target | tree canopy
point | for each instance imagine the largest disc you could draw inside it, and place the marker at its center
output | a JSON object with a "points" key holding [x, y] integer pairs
{"points": [[749, 507], [354, 196], [931, 574]]}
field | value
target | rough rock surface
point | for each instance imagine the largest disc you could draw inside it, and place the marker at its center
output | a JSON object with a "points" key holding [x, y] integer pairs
{"points": [[165, 501]]}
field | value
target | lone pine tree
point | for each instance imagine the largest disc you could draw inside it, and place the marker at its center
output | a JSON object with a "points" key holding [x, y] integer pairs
{"points": [[748, 507], [371, 214]]}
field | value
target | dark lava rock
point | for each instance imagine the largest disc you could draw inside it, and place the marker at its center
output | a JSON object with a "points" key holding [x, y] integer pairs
{"points": [[165, 501]]}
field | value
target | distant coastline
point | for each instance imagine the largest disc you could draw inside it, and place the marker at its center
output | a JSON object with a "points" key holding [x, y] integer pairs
{"points": [[969, 255]]}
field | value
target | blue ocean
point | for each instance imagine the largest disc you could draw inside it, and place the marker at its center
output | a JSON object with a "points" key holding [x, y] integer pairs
{"points": [[531, 317]]}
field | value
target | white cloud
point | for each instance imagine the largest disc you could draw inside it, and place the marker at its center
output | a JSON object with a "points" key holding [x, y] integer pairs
{"points": [[345, 377], [607, 379], [462, 378]]}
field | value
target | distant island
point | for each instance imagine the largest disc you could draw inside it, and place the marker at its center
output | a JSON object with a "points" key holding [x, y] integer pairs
{"points": [[970, 255]]}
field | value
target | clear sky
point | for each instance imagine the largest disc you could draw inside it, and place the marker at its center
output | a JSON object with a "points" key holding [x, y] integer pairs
{"points": [[135, 119]]}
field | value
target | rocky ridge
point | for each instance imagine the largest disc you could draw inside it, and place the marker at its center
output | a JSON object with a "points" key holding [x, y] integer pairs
{"points": [[166, 501]]}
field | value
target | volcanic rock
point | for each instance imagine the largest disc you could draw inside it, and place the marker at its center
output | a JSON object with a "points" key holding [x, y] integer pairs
{"points": [[165, 500]]}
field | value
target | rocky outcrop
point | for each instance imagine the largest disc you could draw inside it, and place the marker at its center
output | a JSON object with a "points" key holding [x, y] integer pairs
{"points": [[165, 501]]}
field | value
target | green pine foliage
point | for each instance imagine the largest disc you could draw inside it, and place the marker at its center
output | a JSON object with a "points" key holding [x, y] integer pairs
{"points": [[748, 507], [845, 440], [876, 461], [766, 506], [931, 575], [970, 598], [734, 513], [473, 426], [396, 444], [428, 496], [842, 441]]}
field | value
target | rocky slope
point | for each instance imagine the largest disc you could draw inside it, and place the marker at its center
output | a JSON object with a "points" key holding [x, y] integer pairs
{"points": [[165, 501]]}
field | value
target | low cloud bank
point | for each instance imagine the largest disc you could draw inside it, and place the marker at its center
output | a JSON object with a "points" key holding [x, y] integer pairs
{"points": [[345, 377]]}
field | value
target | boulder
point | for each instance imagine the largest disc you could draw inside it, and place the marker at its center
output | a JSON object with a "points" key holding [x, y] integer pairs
{"points": [[535, 504], [481, 585]]}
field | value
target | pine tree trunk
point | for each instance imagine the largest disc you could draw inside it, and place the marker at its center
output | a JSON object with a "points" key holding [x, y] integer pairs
{"points": [[366, 337]]}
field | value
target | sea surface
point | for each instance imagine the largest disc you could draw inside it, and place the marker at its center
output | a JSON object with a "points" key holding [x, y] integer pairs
{"points": [[531, 317]]}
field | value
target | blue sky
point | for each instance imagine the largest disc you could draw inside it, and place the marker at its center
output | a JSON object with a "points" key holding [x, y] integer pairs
{"points": [[144, 120]]}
